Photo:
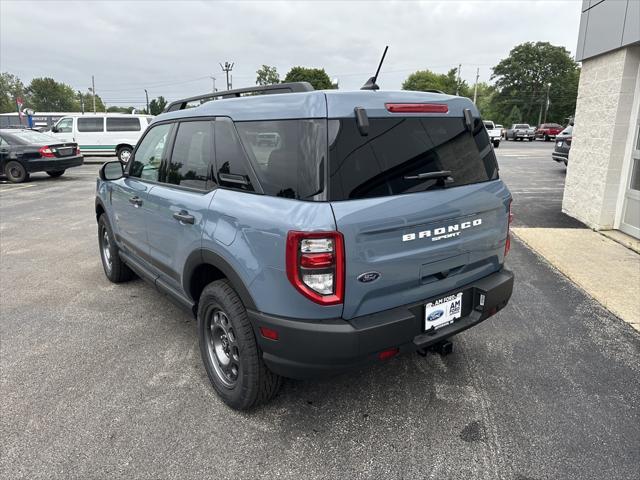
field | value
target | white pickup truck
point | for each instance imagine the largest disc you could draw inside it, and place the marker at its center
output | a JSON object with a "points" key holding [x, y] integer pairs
{"points": [[495, 133]]}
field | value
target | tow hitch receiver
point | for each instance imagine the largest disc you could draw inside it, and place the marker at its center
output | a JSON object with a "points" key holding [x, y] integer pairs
{"points": [[444, 347]]}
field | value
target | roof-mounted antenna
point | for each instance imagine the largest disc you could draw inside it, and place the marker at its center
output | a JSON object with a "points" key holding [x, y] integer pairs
{"points": [[371, 83]]}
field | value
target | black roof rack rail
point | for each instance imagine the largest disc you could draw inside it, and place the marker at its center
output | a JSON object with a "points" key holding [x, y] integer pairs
{"points": [[292, 87]]}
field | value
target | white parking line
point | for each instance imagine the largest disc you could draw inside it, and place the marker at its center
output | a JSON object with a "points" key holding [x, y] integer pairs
{"points": [[7, 187]]}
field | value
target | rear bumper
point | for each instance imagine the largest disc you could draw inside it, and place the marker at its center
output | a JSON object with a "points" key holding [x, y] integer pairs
{"points": [[307, 348], [560, 156], [54, 164]]}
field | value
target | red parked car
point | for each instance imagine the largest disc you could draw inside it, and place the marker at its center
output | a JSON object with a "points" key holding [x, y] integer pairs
{"points": [[548, 131]]}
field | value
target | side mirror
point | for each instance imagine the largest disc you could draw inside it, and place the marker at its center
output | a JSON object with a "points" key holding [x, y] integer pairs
{"points": [[111, 171], [54, 129]]}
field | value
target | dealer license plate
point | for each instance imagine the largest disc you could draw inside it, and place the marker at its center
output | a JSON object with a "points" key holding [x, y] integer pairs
{"points": [[442, 312]]}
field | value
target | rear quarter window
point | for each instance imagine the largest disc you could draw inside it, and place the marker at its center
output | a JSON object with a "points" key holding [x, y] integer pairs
{"points": [[288, 156], [376, 165]]}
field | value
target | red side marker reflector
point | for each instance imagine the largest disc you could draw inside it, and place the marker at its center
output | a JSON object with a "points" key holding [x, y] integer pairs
{"points": [[388, 353], [417, 107], [269, 333]]}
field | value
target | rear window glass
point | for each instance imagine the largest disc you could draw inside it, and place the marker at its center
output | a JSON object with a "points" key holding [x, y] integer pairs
{"points": [[91, 124], [567, 131], [489, 125], [26, 137], [116, 124], [522, 125], [397, 148], [288, 156]]}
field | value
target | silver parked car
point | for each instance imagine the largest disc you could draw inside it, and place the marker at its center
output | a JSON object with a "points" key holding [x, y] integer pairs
{"points": [[520, 131]]}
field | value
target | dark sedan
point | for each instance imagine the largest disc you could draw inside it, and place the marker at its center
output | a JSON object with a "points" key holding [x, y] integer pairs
{"points": [[563, 145], [26, 151]]}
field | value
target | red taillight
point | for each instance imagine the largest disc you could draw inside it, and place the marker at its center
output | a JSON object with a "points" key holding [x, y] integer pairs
{"points": [[388, 353], [316, 260], [269, 333], [46, 152], [78, 151], [417, 107], [507, 243], [567, 140], [315, 265]]}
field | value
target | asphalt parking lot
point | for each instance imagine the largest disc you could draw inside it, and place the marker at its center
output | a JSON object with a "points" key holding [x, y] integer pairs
{"points": [[99, 380]]}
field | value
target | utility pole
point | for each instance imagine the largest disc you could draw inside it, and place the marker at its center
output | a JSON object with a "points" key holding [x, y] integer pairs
{"points": [[226, 68], [458, 82], [147, 95], [546, 108], [213, 79], [93, 92], [475, 88]]}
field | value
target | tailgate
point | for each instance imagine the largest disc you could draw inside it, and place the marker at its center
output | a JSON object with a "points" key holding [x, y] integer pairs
{"points": [[420, 244]]}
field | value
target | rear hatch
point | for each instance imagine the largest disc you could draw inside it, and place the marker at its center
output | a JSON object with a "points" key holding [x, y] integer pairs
{"points": [[408, 239]]}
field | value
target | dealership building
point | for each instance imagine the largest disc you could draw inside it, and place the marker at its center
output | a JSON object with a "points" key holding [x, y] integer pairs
{"points": [[602, 187]]}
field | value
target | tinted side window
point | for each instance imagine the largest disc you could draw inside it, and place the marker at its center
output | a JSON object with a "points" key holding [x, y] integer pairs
{"points": [[231, 160], [288, 155], [91, 124], [150, 154], [116, 124], [192, 155]]}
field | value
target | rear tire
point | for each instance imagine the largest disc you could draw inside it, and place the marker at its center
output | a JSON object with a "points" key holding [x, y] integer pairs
{"points": [[55, 173], [530, 139], [230, 352], [496, 143], [124, 154], [15, 172], [114, 268], [546, 138]]}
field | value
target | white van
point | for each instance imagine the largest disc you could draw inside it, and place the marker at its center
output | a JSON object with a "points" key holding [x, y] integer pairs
{"points": [[103, 133]]}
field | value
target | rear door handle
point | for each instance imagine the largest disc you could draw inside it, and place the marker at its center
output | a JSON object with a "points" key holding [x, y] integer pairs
{"points": [[135, 201], [184, 217]]}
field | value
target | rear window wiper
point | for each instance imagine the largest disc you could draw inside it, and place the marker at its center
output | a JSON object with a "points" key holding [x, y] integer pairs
{"points": [[441, 174]]}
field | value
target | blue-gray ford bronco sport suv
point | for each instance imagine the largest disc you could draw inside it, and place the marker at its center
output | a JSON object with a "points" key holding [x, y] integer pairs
{"points": [[311, 231]]}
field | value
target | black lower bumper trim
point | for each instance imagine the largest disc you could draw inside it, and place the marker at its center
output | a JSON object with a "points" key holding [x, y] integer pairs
{"points": [[54, 164], [309, 348]]}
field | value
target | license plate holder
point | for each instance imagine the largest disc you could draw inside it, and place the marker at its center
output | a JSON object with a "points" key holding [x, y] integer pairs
{"points": [[442, 312]]}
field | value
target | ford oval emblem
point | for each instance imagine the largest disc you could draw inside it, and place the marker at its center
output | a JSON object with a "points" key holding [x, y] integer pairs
{"points": [[433, 316], [368, 277]]}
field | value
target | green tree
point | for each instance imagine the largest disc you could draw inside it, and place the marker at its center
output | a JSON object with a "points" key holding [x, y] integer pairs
{"points": [[315, 76], [87, 99], [523, 77], [484, 101], [157, 105], [423, 80], [515, 116], [47, 95], [10, 88], [267, 75]]}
